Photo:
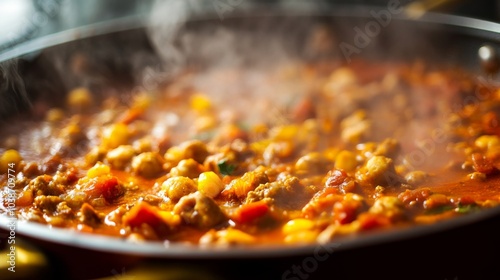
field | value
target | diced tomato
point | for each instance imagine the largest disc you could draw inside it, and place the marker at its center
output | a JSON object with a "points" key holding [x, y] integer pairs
{"points": [[482, 164], [250, 212], [490, 123], [131, 115], [465, 200], [143, 213], [345, 212], [415, 196], [108, 187], [371, 221], [304, 110], [320, 204], [72, 175], [335, 178]]}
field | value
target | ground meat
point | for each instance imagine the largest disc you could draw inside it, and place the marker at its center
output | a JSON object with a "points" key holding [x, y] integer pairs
{"points": [[44, 185], [64, 210], [89, 216], [47, 203], [287, 193], [199, 210], [388, 206], [240, 187]]}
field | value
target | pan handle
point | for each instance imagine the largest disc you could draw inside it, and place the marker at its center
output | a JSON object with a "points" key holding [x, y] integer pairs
{"points": [[488, 57]]}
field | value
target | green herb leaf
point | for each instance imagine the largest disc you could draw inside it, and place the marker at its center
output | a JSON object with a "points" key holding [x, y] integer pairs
{"points": [[225, 168], [463, 209], [439, 210]]}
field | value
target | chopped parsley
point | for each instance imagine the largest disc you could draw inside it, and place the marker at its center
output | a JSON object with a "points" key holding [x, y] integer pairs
{"points": [[226, 168], [463, 209]]}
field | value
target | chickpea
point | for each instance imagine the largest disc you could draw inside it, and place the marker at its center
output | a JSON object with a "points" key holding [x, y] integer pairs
{"points": [[9, 157], [389, 206], [115, 135], [416, 177], [346, 161], [378, 170], [195, 149], [119, 158], [79, 98], [187, 168], [177, 187], [147, 165], [312, 163], [99, 169]]}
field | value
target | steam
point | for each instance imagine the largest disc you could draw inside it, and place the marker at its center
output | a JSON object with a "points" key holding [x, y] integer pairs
{"points": [[240, 61], [13, 95]]}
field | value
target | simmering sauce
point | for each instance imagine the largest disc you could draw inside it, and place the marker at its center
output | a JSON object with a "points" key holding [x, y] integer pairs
{"points": [[318, 153]]}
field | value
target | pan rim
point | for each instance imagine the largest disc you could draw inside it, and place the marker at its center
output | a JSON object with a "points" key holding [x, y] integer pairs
{"points": [[158, 249], [487, 29], [113, 245]]}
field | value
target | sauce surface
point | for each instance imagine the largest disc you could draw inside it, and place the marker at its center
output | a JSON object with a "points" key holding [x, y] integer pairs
{"points": [[290, 155]]}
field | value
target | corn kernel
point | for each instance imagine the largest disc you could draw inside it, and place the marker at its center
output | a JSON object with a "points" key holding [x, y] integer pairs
{"points": [[171, 219], [8, 158], [297, 225], [210, 184], [99, 169], [115, 135], [287, 132], [301, 237], [54, 115], [205, 122], [346, 160], [79, 98], [141, 101], [200, 103], [234, 236], [487, 141]]}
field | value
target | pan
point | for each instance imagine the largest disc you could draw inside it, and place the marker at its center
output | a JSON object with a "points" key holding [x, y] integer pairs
{"points": [[458, 248]]}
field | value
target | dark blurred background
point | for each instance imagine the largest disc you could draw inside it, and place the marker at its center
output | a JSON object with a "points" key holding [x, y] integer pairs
{"points": [[22, 20]]}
